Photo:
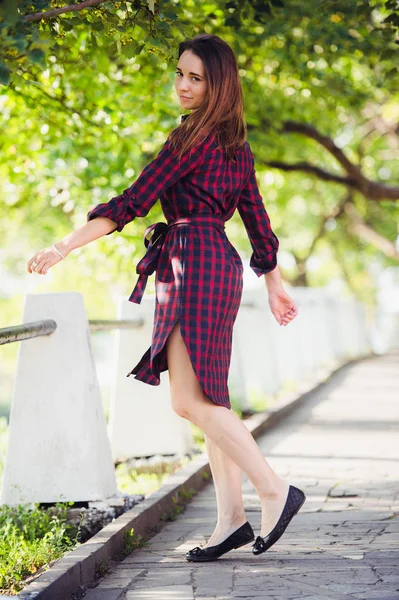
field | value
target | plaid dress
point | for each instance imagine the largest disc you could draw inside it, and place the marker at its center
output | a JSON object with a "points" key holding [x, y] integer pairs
{"points": [[198, 272]]}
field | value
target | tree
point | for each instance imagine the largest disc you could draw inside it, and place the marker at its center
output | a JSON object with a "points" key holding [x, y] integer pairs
{"points": [[88, 100]]}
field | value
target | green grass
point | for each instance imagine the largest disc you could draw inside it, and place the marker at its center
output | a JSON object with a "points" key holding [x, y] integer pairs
{"points": [[30, 539], [141, 481]]}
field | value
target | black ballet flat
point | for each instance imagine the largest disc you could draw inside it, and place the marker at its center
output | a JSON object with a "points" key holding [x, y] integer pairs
{"points": [[294, 501], [242, 536]]}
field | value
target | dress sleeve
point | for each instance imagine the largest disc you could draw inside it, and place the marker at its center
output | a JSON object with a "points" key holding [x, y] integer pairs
{"points": [[257, 223], [156, 177]]}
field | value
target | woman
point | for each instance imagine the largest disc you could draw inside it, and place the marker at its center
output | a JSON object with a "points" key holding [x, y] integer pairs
{"points": [[204, 171]]}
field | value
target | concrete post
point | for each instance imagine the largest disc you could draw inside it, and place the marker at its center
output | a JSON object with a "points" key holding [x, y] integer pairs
{"points": [[142, 421], [236, 382], [255, 335], [58, 448]]}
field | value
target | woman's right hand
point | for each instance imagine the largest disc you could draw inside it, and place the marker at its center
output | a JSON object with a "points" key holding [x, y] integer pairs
{"points": [[46, 258], [43, 260]]}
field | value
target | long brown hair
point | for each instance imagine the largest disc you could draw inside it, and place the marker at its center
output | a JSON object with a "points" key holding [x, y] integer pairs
{"points": [[222, 112]]}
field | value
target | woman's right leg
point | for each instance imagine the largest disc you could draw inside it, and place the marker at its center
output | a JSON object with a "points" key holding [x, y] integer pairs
{"points": [[225, 429], [227, 479]]}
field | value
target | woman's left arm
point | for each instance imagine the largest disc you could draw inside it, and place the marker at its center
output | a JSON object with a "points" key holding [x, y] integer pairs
{"points": [[263, 240], [265, 245]]}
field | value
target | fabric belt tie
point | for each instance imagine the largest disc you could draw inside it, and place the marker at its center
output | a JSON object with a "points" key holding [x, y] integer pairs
{"points": [[154, 237]]}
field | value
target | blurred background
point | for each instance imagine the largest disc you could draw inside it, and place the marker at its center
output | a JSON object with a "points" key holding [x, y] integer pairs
{"points": [[87, 99]]}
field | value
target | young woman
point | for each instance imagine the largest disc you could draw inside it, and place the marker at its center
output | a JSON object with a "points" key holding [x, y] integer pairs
{"points": [[204, 171]]}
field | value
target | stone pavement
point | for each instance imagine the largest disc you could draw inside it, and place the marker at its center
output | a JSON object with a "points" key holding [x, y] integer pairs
{"points": [[342, 448]]}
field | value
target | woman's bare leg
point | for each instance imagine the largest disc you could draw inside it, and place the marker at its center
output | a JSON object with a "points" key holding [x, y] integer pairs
{"points": [[227, 478], [225, 429]]}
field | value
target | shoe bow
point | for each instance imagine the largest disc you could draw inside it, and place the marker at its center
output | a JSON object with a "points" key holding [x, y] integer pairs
{"points": [[259, 543], [195, 551]]}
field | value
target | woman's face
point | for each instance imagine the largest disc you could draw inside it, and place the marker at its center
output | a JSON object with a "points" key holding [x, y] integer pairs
{"points": [[190, 83]]}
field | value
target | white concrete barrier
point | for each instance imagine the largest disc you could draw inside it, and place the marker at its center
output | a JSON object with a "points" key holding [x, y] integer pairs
{"points": [[385, 336], [58, 448], [306, 356], [274, 359], [257, 352], [141, 420], [236, 380]]}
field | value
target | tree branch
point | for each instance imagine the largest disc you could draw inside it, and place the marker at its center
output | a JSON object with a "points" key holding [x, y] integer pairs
{"points": [[307, 167], [326, 142], [58, 11], [363, 230], [372, 190], [61, 101]]}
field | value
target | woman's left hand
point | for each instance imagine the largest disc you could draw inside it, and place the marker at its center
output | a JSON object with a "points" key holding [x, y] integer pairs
{"points": [[282, 306]]}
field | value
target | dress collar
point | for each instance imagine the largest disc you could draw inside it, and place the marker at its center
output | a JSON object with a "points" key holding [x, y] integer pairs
{"points": [[184, 117]]}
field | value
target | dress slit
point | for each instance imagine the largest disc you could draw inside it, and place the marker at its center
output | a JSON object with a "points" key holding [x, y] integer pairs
{"points": [[144, 372]]}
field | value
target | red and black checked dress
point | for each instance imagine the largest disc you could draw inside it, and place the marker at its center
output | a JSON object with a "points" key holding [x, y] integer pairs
{"points": [[198, 272]]}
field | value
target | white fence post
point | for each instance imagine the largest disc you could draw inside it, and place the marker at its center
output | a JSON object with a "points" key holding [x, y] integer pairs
{"points": [[327, 331], [58, 448], [253, 331], [236, 379], [142, 421]]}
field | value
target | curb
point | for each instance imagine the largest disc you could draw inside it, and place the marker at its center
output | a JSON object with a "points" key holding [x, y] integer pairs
{"points": [[78, 568]]}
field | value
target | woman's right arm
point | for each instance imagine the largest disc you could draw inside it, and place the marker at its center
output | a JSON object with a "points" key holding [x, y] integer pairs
{"points": [[87, 233], [135, 201], [48, 257]]}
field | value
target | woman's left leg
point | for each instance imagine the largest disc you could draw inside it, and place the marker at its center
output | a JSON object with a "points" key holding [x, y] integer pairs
{"points": [[225, 429], [227, 479]]}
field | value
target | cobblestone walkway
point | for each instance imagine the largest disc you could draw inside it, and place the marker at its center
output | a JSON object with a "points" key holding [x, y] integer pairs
{"points": [[342, 449]]}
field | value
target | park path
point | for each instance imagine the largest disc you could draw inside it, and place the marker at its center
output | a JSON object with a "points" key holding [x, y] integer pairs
{"points": [[342, 448]]}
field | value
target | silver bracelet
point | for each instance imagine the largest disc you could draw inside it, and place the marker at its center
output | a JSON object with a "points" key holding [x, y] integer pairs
{"points": [[58, 252]]}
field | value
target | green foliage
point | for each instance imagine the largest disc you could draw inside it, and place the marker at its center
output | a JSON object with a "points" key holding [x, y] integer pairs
{"points": [[30, 539], [88, 101], [110, 30], [133, 482], [102, 568], [131, 541], [179, 500], [146, 479], [172, 513], [186, 494], [198, 437], [206, 475]]}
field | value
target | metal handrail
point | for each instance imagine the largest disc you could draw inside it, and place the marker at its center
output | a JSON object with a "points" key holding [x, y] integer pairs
{"points": [[26, 331], [106, 325]]}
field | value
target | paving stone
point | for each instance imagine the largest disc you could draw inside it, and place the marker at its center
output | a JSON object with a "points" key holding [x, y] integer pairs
{"points": [[177, 592], [229, 597], [206, 583], [103, 594], [165, 577], [378, 595], [341, 441], [120, 579], [115, 582]]}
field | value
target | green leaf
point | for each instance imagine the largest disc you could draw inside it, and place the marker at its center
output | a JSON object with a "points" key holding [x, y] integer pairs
{"points": [[164, 29], [10, 12], [97, 25], [4, 74], [170, 15], [231, 22], [37, 56], [132, 49]]}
